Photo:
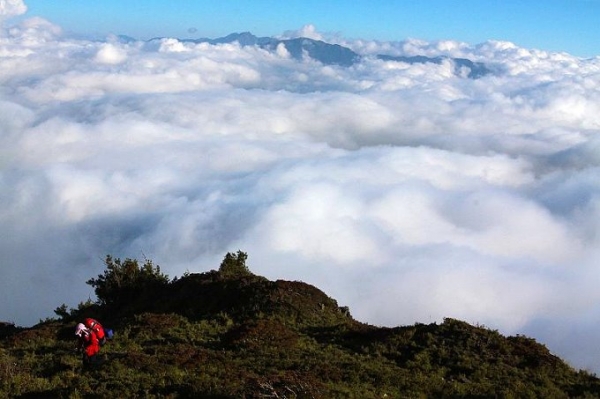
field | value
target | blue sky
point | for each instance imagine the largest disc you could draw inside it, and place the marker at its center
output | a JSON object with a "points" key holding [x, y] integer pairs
{"points": [[553, 25]]}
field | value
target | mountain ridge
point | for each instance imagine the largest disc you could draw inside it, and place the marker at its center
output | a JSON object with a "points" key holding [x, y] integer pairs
{"points": [[233, 334], [338, 55]]}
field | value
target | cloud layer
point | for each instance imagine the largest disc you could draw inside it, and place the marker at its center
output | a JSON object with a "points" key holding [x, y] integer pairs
{"points": [[407, 192]]}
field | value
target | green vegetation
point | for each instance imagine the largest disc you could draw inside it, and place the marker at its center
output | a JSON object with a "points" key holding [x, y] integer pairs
{"points": [[122, 282], [232, 334], [234, 265]]}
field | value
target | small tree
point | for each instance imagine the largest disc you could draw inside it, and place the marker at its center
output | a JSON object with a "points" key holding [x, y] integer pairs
{"points": [[124, 281], [65, 313], [234, 265], [62, 311]]}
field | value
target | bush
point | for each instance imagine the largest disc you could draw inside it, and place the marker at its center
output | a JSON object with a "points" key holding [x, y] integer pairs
{"points": [[124, 281], [234, 265]]}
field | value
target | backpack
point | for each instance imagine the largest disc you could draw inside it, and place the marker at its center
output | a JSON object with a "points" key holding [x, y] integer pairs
{"points": [[96, 327], [103, 334]]}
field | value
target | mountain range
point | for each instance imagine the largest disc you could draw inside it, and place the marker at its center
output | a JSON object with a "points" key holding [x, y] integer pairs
{"points": [[335, 54]]}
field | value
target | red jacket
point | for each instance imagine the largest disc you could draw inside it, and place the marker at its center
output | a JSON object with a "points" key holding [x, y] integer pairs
{"points": [[96, 327], [89, 342]]}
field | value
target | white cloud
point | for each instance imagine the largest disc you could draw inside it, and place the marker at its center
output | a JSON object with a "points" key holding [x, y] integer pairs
{"points": [[110, 54], [405, 191], [33, 33], [309, 31], [11, 8]]}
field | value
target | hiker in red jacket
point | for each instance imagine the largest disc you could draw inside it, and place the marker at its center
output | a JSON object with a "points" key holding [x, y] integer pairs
{"points": [[88, 344], [97, 328]]}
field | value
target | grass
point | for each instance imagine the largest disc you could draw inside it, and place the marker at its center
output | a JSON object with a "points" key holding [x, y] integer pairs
{"points": [[248, 337]]}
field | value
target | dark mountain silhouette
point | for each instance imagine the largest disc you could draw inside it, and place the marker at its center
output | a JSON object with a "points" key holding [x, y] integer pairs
{"points": [[238, 335], [326, 53], [334, 54], [244, 39], [475, 69]]}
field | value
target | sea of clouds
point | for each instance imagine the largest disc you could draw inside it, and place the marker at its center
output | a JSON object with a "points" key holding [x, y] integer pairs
{"points": [[409, 193]]}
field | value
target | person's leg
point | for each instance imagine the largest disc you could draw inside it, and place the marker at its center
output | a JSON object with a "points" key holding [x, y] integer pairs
{"points": [[90, 361]]}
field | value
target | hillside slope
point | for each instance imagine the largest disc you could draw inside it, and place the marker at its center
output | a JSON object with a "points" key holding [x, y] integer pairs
{"points": [[207, 335]]}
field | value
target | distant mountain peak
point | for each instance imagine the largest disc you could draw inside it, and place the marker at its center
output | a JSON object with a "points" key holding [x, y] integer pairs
{"points": [[475, 69], [337, 55]]}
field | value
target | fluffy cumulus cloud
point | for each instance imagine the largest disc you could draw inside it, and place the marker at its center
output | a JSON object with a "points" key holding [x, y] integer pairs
{"points": [[309, 31], [408, 192], [11, 8]]}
